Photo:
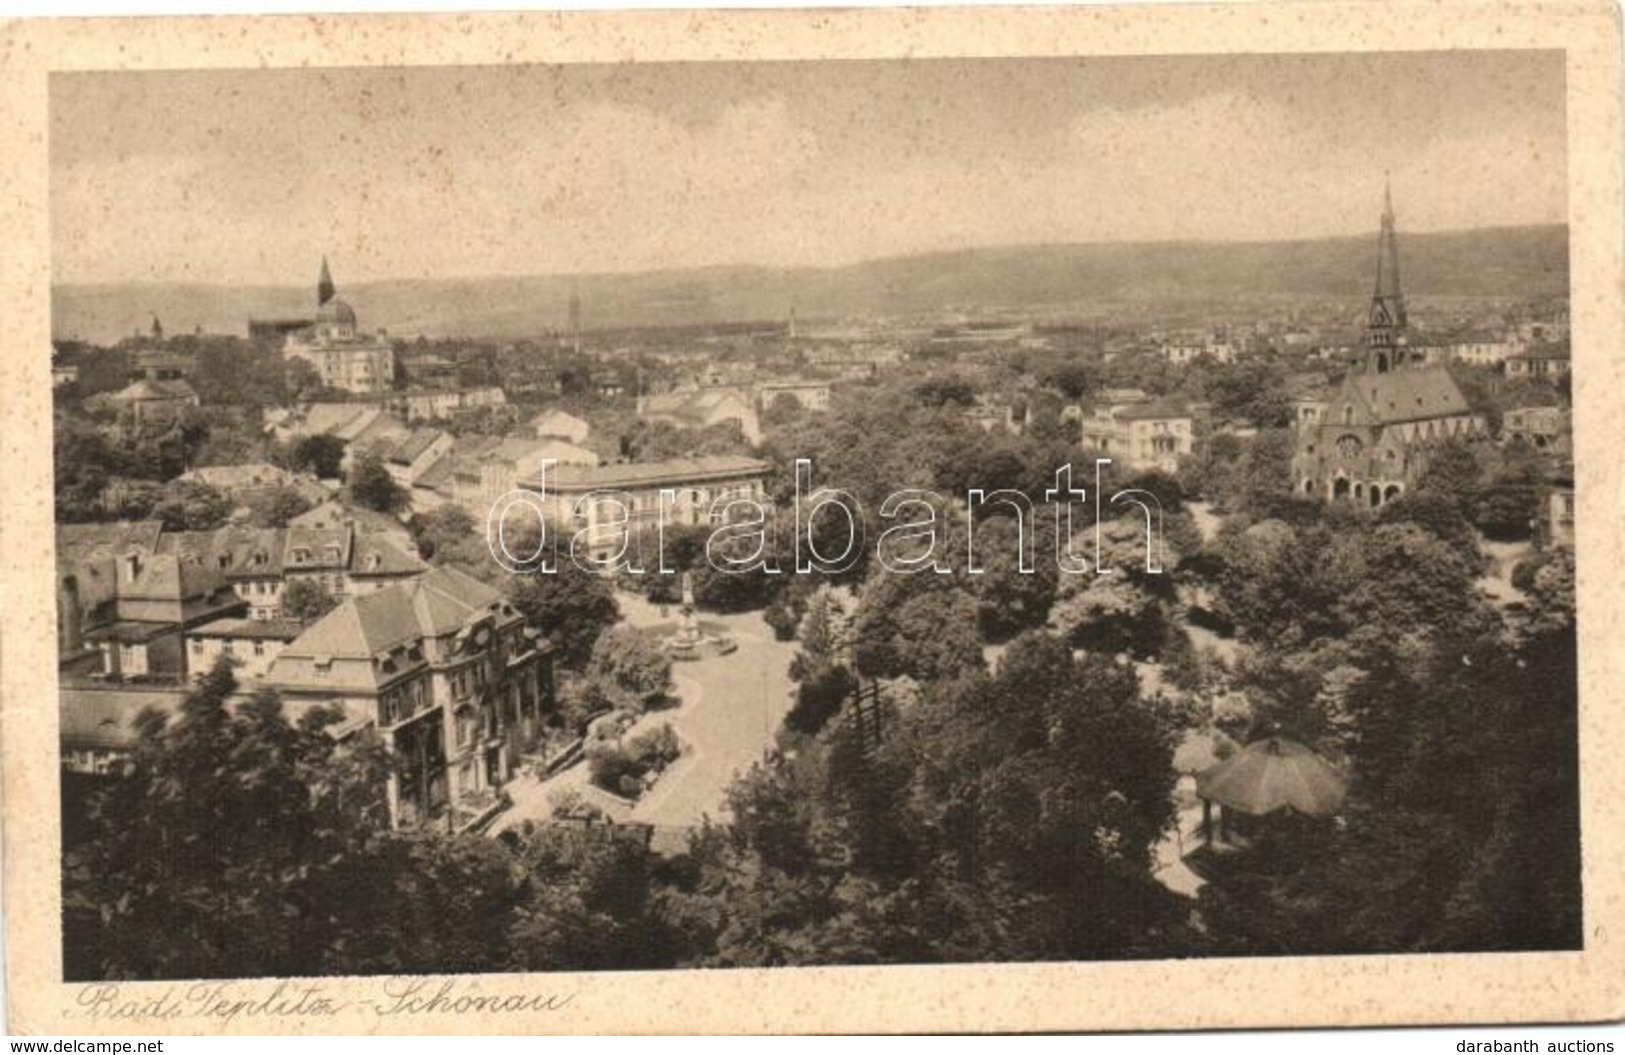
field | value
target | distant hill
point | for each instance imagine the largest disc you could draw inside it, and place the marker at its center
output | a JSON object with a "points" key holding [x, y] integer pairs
{"points": [[1508, 261]]}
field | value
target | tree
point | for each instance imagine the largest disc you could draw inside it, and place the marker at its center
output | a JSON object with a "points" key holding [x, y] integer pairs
{"points": [[1010, 599], [631, 663], [437, 531], [992, 821], [306, 601], [1454, 474], [1073, 379], [1509, 505], [1433, 512], [1418, 863], [320, 455], [372, 487], [302, 381], [227, 848], [1124, 607], [921, 626], [273, 509], [570, 607], [188, 506], [585, 903], [1211, 470]]}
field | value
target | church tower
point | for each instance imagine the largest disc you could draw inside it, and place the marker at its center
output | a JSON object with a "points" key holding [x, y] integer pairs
{"points": [[324, 286], [1385, 324]]}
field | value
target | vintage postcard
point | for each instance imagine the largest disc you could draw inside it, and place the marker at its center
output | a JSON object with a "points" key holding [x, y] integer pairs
{"points": [[947, 520]]}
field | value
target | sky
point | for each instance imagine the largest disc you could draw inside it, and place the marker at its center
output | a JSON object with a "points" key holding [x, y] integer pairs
{"points": [[250, 176]]}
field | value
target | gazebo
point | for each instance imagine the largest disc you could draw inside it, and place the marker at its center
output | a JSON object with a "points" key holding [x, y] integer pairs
{"points": [[1269, 775]]}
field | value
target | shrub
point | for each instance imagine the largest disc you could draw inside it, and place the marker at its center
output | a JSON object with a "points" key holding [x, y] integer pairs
{"points": [[607, 762], [655, 746]]}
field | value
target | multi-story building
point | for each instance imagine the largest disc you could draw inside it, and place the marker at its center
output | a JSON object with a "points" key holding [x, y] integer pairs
{"points": [[812, 395], [251, 645], [409, 458], [336, 515], [1371, 439], [479, 470], [123, 607], [1187, 348], [577, 498], [1543, 428], [440, 404], [341, 558], [1479, 348], [344, 357], [446, 670], [1544, 362], [1139, 435]]}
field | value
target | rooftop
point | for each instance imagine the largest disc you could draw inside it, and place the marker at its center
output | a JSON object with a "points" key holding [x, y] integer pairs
{"points": [[442, 602], [676, 471], [261, 629], [1159, 410], [145, 391], [1408, 395], [81, 542]]}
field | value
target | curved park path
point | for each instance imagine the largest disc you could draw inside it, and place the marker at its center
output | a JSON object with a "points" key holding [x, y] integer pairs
{"points": [[728, 710]]}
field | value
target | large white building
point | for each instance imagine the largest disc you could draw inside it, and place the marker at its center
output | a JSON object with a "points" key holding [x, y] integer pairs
{"points": [[608, 500], [344, 357], [1140, 434]]}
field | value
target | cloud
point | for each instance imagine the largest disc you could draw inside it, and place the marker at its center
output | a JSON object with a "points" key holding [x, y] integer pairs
{"points": [[404, 181]]}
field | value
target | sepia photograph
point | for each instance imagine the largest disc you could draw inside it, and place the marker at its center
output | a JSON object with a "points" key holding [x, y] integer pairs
{"points": [[523, 518]]}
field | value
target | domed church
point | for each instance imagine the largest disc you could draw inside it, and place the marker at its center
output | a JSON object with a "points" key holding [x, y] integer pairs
{"points": [[345, 358], [1369, 442]]}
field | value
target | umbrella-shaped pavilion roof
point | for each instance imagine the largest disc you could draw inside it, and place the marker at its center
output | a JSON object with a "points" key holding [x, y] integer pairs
{"points": [[1272, 774]]}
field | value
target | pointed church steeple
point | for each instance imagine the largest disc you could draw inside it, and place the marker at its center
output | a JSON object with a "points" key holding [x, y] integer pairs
{"points": [[1386, 323], [324, 286]]}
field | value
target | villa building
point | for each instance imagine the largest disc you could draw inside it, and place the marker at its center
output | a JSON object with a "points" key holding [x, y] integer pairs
{"points": [[447, 672]]}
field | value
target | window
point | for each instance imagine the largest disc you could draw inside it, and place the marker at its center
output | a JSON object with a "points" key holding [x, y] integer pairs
{"points": [[259, 648]]}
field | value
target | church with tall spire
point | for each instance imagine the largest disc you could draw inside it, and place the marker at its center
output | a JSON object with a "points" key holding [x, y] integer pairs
{"points": [[1369, 442], [345, 358]]}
